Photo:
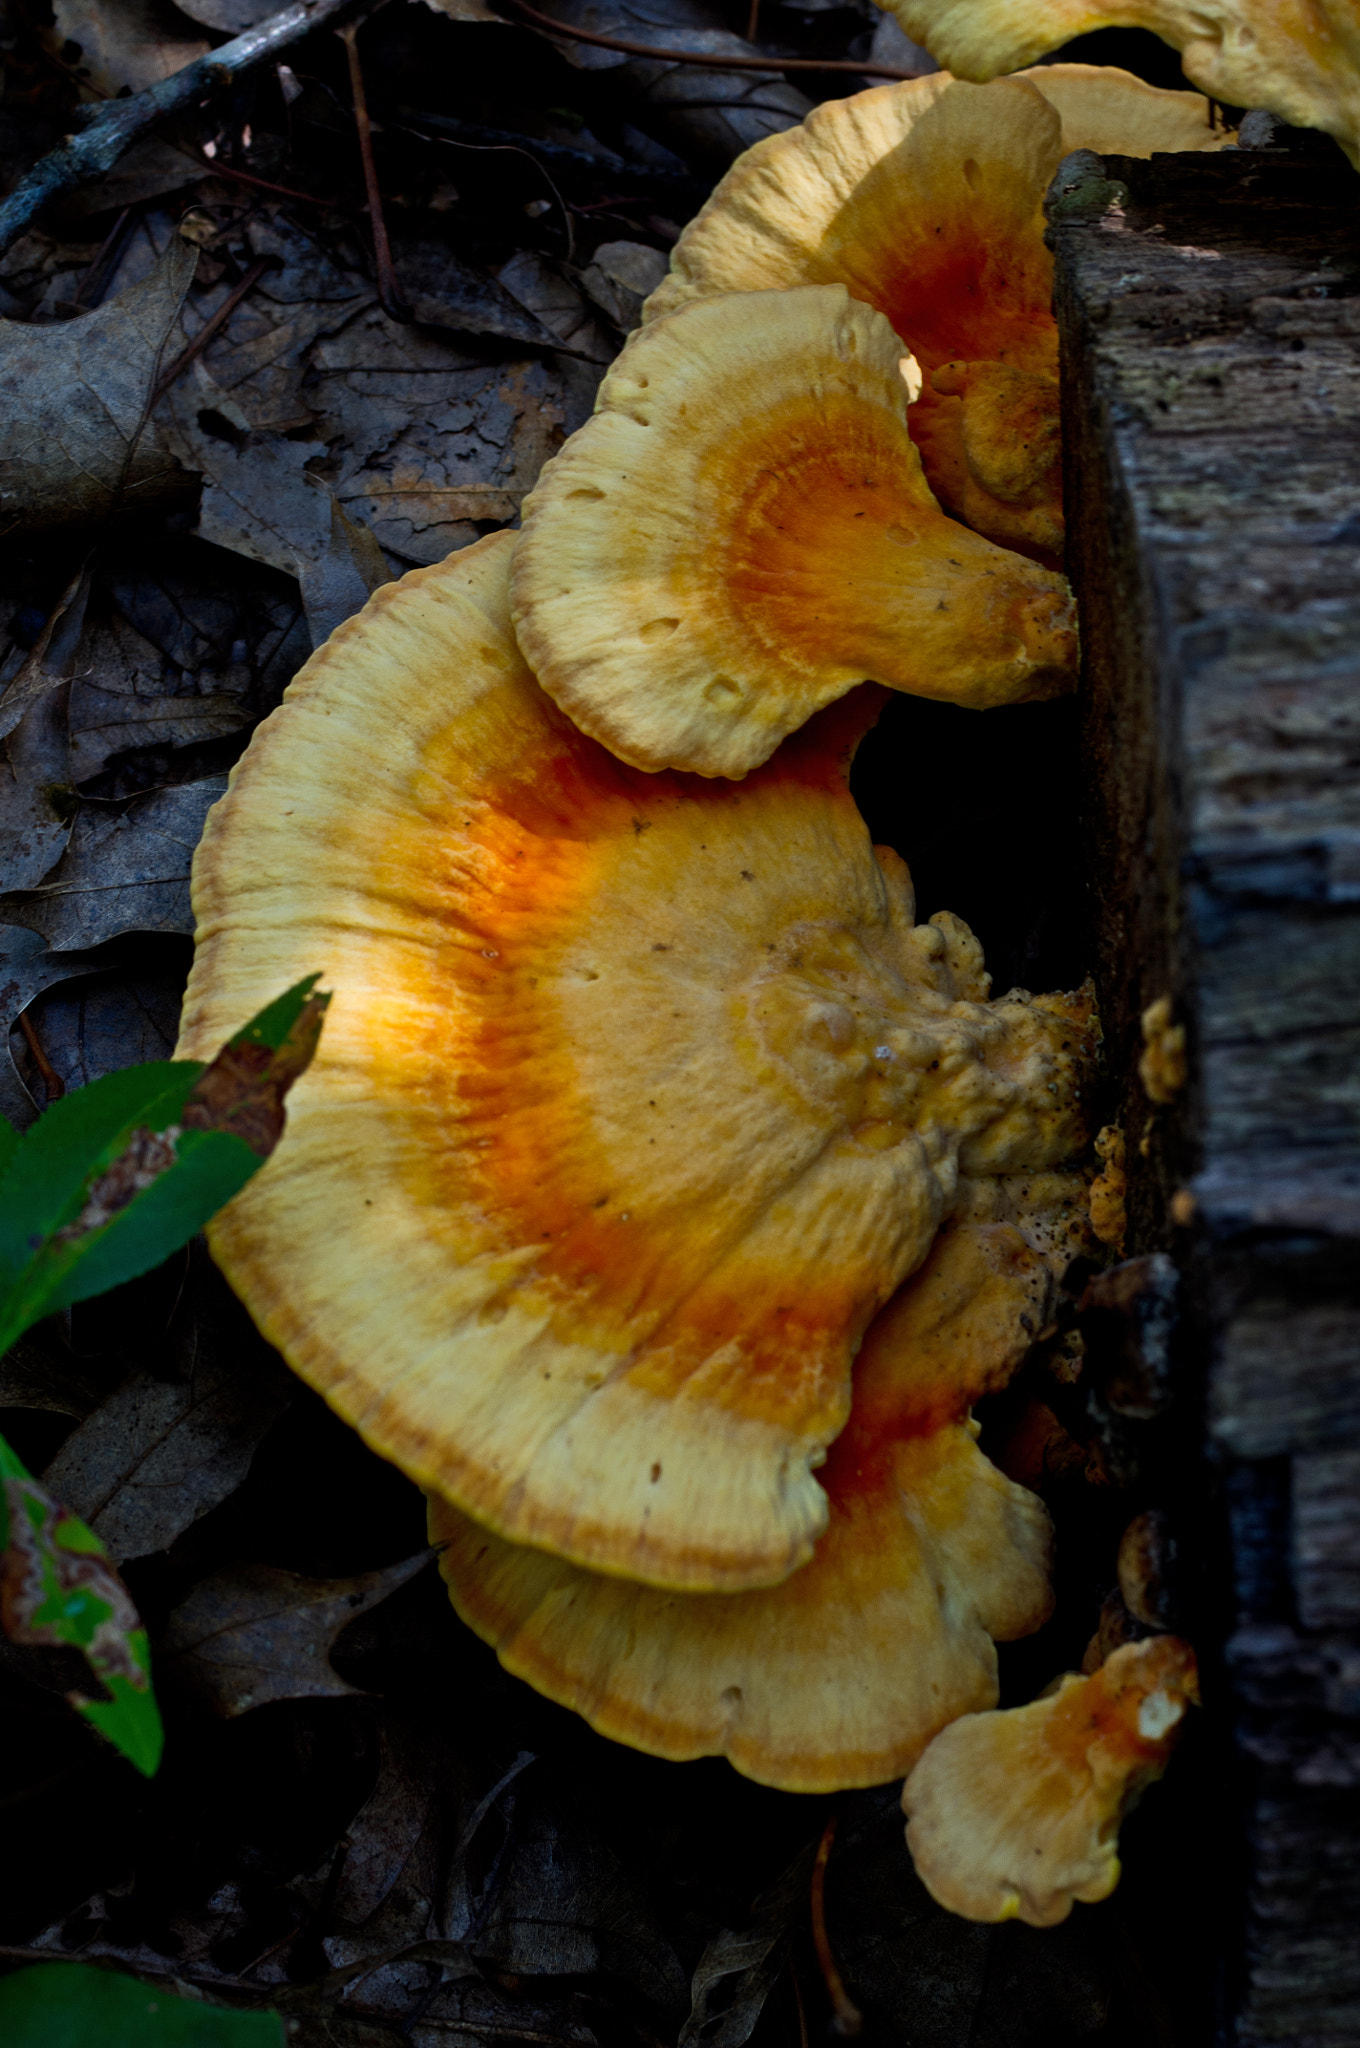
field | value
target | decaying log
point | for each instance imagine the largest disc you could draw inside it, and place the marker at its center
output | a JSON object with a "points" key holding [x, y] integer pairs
{"points": [[1210, 313]]}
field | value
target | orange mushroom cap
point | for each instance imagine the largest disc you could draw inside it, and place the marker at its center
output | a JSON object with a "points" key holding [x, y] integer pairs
{"points": [[925, 200], [841, 1675], [639, 1094], [1016, 1814], [1299, 58], [742, 533]]}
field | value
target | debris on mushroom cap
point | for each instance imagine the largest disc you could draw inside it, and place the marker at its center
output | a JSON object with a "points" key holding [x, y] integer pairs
{"points": [[1299, 58], [841, 1675], [925, 200], [1109, 1190], [742, 533], [639, 1094], [1015, 1814]]}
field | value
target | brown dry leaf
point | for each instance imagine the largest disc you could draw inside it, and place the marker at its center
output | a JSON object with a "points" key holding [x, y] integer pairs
{"points": [[426, 441], [344, 577], [37, 803], [159, 1453], [73, 403], [253, 1634], [256, 497], [125, 869], [28, 966], [709, 116], [121, 45]]}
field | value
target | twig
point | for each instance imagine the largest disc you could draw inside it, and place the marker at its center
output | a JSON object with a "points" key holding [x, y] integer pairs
{"points": [[209, 328], [115, 125], [88, 275], [212, 169], [389, 291], [799, 2007], [753, 21], [701, 57], [846, 2017], [52, 1080]]}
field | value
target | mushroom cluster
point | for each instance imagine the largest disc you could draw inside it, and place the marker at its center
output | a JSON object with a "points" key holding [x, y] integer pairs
{"points": [[664, 1196]]}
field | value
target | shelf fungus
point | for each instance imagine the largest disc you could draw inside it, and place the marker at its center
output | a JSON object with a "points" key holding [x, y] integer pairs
{"points": [[842, 1674], [1299, 58], [925, 199], [742, 533], [639, 1095], [1015, 1815]]}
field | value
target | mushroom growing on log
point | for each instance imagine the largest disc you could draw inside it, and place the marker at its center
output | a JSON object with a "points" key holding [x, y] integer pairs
{"points": [[640, 1095], [926, 201], [842, 1674], [1015, 1815], [742, 533]]}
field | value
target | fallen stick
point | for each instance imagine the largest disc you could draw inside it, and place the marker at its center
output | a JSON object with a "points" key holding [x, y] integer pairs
{"points": [[115, 125]]}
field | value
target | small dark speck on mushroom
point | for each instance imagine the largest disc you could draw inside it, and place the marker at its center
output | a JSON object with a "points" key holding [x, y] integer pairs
{"points": [[746, 875], [656, 1474], [641, 825], [659, 948]]}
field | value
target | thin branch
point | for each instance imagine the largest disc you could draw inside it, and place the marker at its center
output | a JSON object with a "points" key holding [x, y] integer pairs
{"points": [[210, 327], [389, 291], [114, 125], [52, 1080], [105, 250], [846, 2018], [701, 57]]}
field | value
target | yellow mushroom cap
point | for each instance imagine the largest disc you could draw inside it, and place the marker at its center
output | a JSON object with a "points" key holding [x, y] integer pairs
{"points": [[841, 1675], [742, 533], [638, 1095], [1016, 1814], [1300, 58], [925, 200]]}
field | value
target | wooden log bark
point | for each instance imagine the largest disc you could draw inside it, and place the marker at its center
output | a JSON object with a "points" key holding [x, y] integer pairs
{"points": [[1210, 315]]}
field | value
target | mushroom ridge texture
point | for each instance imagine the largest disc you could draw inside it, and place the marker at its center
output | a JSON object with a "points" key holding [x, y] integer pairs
{"points": [[1299, 58], [925, 200], [640, 1094], [1015, 1814], [842, 1674], [742, 533]]}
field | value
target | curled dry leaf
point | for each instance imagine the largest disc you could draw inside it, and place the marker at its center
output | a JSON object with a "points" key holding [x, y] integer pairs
{"points": [[73, 401], [253, 1634], [739, 1968]]}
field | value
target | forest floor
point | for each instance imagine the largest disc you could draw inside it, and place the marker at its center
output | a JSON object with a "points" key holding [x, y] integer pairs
{"points": [[373, 1780]]}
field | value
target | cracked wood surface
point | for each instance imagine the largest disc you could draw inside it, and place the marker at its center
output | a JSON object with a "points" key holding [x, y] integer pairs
{"points": [[1211, 334]]}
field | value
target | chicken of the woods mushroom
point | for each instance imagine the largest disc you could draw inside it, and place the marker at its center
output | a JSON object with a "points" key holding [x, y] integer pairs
{"points": [[1299, 58], [743, 532], [1015, 1814], [842, 1674], [925, 199], [640, 1094]]}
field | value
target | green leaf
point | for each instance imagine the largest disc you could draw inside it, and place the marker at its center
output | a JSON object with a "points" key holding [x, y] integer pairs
{"points": [[9, 1139], [58, 1586], [118, 1175], [276, 1021], [73, 2005], [44, 1182]]}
